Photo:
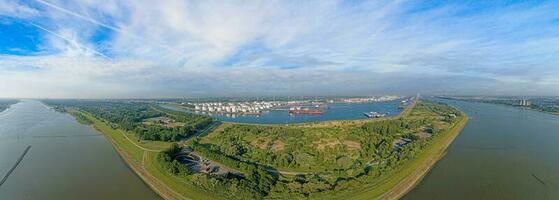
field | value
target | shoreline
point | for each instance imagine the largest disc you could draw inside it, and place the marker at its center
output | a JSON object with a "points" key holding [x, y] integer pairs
{"points": [[398, 183], [412, 180], [308, 123], [507, 105], [153, 183], [166, 187]]}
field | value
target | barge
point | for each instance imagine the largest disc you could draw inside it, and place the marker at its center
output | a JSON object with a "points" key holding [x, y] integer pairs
{"points": [[308, 111], [374, 115]]}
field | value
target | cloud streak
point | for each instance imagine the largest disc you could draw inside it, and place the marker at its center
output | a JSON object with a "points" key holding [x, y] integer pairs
{"points": [[213, 48], [73, 42]]}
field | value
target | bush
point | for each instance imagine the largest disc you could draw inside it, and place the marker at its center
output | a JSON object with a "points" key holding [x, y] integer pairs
{"points": [[167, 161]]}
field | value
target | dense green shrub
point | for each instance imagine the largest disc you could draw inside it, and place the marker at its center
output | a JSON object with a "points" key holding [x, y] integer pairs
{"points": [[129, 115]]}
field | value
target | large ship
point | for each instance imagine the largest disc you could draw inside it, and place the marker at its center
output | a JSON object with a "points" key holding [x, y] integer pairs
{"points": [[305, 110]]}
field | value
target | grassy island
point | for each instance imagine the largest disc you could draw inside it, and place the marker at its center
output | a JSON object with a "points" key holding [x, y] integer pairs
{"points": [[201, 159]]}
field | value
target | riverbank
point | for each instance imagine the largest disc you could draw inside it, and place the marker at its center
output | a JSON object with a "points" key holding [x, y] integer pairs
{"points": [[495, 156], [6, 103], [135, 157], [402, 180], [141, 158], [68, 160], [426, 161], [331, 112], [392, 185]]}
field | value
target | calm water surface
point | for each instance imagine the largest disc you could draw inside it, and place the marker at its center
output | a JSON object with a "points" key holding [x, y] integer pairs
{"points": [[335, 111], [502, 153], [67, 160]]}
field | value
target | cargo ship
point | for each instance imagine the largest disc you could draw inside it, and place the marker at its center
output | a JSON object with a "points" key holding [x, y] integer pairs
{"points": [[308, 111]]}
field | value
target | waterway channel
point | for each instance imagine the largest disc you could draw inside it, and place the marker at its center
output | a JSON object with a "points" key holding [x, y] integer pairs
{"points": [[67, 160], [334, 111], [503, 153]]}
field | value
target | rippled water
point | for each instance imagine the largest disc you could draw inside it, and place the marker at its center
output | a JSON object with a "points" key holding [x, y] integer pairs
{"points": [[67, 160]]}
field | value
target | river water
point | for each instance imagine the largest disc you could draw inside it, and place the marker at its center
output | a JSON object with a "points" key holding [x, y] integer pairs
{"points": [[334, 111], [502, 153], [67, 160]]}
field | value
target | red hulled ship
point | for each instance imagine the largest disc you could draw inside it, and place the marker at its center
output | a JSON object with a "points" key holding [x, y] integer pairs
{"points": [[303, 110]]}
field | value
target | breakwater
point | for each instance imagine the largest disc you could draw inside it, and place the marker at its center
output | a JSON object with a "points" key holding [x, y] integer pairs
{"points": [[15, 165]]}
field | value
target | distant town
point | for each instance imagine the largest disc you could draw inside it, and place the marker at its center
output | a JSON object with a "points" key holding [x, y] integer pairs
{"points": [[544, 104]]}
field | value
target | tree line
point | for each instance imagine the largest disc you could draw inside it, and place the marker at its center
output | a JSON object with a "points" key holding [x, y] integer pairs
{"points": [[130, 115]]}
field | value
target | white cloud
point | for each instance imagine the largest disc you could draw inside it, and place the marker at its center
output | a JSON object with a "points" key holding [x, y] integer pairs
{"points": [[182, 48], [12, 8]]}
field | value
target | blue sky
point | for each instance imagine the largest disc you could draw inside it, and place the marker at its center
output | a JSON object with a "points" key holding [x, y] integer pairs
{"points": [[176, 48]]}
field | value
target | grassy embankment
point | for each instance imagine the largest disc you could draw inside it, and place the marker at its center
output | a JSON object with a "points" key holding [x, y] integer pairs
{"points": [[141, 158], [397, 183], [400, 181]]}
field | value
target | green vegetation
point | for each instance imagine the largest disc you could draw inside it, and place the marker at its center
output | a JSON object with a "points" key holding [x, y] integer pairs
{"points": [[358, 160], [82, 118], [255, 184], [330, 159], [147, 121], [395, 183], [117, 136], [340, 150], [167, 161], [177, 184], [143, 160]]}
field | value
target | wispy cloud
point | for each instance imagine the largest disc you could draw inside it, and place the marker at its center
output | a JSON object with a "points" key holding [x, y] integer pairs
{"points": [[15, 9], [187, 48], [74, 43]]}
